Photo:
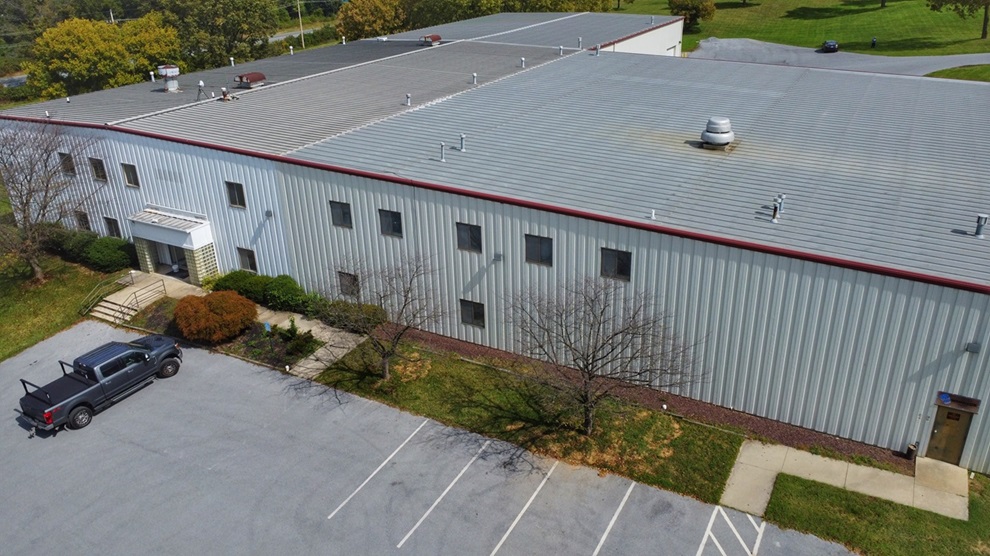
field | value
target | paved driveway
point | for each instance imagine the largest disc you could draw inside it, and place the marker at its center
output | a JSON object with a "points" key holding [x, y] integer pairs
{"points": [[231, 458], [749, 50]]}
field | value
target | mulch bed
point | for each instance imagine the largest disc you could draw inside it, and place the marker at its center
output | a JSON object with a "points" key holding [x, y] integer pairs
{"points": [[754, 426]]}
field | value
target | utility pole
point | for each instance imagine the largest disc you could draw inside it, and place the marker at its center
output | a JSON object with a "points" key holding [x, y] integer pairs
{"points": [[302, 35]]}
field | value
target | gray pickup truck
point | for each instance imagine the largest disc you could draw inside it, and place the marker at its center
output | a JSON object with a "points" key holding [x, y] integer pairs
{"points": [[96, 380]]}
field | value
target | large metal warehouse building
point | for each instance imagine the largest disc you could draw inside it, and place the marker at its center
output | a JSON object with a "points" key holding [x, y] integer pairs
{"points": [[861, 312]]}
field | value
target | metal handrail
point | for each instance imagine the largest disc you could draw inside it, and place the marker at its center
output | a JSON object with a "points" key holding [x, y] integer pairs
{"points": [[103, 289], [134, 301]]}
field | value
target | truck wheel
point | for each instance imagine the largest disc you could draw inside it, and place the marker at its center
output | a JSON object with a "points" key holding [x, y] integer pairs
{"points": [[80, 417], [169, 368]]}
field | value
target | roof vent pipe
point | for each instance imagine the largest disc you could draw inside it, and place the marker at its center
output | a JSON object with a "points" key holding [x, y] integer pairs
{"points": [[463, 148], [343, 39], [442, 148], [231, 61], [522, 62], [292, 51], [598, 50], [474, 78], [580, 40], [981, 221], [776, 212], [408, 99], [560, 51], [652, 19], [152, 74], [718, 131], [780, 201]]}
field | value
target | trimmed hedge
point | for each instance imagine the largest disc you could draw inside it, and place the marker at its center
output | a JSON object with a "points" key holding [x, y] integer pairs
{"points": [[283, 293], [215, 317], [360, 318], [108, 254], [248, 284]]}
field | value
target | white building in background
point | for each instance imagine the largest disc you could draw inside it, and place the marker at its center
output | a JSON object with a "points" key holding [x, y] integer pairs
{"points": [[863, 311]]}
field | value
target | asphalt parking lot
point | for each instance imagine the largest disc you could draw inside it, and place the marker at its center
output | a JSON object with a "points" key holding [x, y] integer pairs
{"points": [[232, 458]]}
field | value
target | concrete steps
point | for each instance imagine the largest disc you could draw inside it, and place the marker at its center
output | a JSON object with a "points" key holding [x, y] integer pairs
{"points": [[111, 311]]}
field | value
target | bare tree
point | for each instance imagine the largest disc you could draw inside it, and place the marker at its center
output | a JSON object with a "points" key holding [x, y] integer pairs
{"points": [[593, 337], [37, 165], [390, 301]]}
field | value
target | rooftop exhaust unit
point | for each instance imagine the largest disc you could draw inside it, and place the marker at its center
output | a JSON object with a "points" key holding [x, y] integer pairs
{"points": [[171, 74], [718, 132], [251, 80], [430, 40]]}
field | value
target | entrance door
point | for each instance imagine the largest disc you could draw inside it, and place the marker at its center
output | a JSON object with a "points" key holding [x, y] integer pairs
{"points": [[949, 435], [177, 256]]}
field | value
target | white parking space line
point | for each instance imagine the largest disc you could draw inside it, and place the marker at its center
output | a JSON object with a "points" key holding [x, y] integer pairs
{"points": [[444, 493], [710, 536], [614, 517], [526, 507], [375, 472]]}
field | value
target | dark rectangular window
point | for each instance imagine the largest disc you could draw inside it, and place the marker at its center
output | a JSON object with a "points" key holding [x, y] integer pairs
{"points": [[82, 221], [235, 194], [340, 214], [113, 227], [349, 284], [391, 222], [246, 259], [130, 175], [539, 250], [473, 313], [469, 237], [616, 264], [99, 169], [68, 165]]}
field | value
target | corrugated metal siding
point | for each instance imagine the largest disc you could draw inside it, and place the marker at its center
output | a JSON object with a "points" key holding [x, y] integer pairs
{"points": [[850, 353], [192, 179]]}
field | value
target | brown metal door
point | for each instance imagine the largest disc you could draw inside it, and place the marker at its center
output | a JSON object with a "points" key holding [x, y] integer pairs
{"points": [[949, 435]]}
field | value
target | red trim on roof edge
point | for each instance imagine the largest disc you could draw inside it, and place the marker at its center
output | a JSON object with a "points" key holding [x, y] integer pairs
{"points": [[728, 242], [643, 32]]}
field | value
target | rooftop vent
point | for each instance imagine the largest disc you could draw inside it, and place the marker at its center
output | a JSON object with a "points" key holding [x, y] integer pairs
{"points": [[251, 80], [718, 132], [430, 40], [171, 74]]}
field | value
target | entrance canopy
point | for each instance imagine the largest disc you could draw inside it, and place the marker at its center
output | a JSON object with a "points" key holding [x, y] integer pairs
{"points": [[171, 227]]}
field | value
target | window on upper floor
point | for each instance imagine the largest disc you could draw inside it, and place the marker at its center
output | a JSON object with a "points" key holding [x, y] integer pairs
{"points": [[235, 194], [391, 222], [130, 175], [539, 250], [340, 214], [99, 169], [469, 237], [67, 164], [616, 264]]}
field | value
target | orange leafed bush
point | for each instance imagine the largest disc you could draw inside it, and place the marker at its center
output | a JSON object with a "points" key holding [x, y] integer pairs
{"points": [[216, 317]]}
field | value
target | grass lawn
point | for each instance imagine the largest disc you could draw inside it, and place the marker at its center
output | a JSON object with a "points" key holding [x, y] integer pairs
{"points": [[969, 73], [644, 445], [878, 527], [30, 313], [903, 28]]}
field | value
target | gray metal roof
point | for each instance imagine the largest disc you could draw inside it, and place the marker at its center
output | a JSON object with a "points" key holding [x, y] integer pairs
{"points": [[544, 29], [879, 169], [277, 119], [132, 101], [166, 218]]}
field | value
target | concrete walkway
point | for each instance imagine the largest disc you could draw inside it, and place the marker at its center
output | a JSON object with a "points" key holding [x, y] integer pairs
{"points": [[936, 487], [336, 342]]}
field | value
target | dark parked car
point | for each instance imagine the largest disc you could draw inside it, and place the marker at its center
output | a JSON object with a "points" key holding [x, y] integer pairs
{"points": [[97, 379], [830, 46]]}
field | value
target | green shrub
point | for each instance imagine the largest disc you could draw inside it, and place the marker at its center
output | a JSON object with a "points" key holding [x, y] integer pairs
{"points": [[215, 317], [248, 284], [76, 244], [210, 282], [360, 318], [54, 237], [296, 343], [108, 254], [283, 294]]}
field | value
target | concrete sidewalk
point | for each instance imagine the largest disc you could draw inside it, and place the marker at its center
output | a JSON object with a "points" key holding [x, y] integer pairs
{"points": [[336, 342], [936, 487]]}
